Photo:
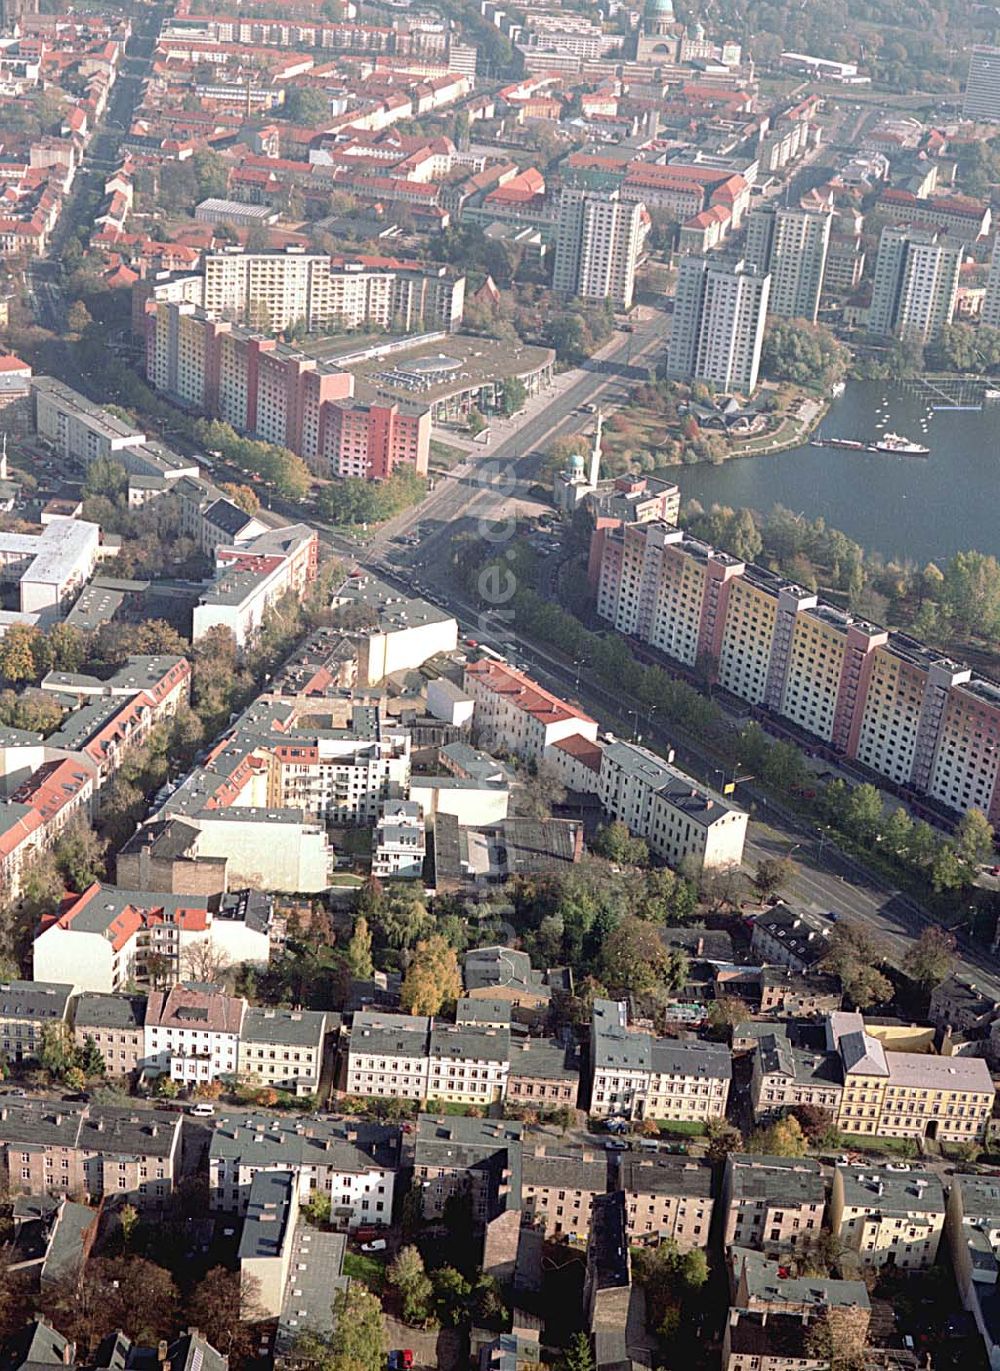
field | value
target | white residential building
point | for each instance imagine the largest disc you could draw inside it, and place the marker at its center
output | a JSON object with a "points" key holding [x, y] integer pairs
{"points": [[792, 245], [718, 323], [982, 86], [888, 1218], [250, 577], [105, 938], [468, 1064], [598, 242], [991, 300], [515, 713], [400, 841], [388, 1055], [52, 566], [76, 427], [638, 1076], [283, 1048], [405, 632], [681, 820], [192, 1034], [353, 1163], [916, 283], [273, 290]]}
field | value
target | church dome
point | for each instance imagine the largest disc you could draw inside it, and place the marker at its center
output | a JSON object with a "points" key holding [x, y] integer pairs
{"points": [[661, 9]]}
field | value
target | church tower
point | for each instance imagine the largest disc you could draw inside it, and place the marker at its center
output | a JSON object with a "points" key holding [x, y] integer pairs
{"points": [[659, 33]]}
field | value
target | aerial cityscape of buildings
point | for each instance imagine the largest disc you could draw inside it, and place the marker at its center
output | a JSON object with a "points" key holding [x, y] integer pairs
{"points": [[463, 901]]}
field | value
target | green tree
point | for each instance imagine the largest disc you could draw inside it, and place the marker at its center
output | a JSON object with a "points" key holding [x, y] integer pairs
{"points": [[514, 395], [212, 175], [634, 958], [91, 1058], [727, 1011], [773, 873], [863, 812], [922, 843], [79, 855], [615, 842], [971, 593], [106, 477], [57, 1053], [974, 838], [18, 647], [948, 871], [42, 885], [67, 646], [803, 353], [668, 1276], [78, 318], [413, 1283], [451, 1294], [318, 1209], [129, 1220], [897, 832], [359, 950], [432, 979], [723, 1138], [783, 1138], [306, 105], [931, 958], [357, 1340], [855, 956], [578, 1355]]}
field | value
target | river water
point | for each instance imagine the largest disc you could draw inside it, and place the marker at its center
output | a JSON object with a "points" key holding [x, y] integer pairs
{"points": [[924, 509]]}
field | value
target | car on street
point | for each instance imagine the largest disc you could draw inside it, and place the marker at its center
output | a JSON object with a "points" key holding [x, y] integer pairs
{"points": [[378, 1245], [202, 1110]]}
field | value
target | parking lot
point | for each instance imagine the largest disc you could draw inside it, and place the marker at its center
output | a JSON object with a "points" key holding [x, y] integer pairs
{"points": [[441, 1348]]}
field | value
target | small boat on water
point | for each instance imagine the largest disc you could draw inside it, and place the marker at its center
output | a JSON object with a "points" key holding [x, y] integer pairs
{"points": [[900, 446]]}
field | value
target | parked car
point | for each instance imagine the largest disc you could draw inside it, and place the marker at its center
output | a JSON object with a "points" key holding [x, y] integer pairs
{"points": [[379, 1245], [898, 1166], [202, 1110], [615, 1145]]}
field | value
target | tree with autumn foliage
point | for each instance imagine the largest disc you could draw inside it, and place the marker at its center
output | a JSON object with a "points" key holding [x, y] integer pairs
{"points": [[433, 978]]}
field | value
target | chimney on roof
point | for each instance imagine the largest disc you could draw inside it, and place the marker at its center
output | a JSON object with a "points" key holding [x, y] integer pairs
{"points": [[161, 1350], [69, 1354]]}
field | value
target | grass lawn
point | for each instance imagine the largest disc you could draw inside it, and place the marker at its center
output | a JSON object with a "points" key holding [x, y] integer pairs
{"points": [[450, 1107], [900, 1147], [356, 842], [368, 1270], [444, 456], [681, 1128], [346, 878]]}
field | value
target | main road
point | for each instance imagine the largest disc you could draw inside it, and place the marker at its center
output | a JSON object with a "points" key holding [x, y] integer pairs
{"points": [[100, 159], [484, 486]]}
